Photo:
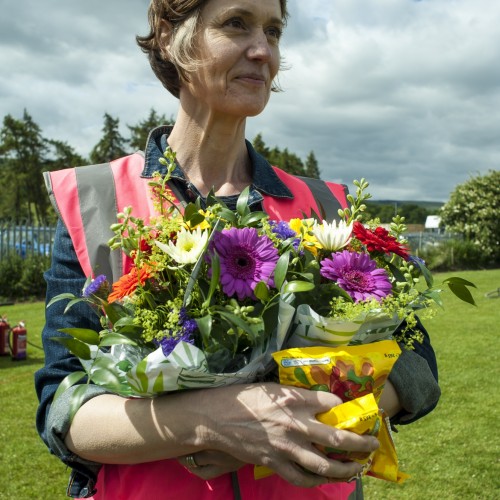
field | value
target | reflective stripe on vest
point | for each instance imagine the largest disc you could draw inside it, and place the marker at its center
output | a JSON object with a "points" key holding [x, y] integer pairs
{"points": [[88, 199]]}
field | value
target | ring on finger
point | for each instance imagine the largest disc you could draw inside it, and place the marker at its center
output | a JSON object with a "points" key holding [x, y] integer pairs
{"points": [[191, 461]]}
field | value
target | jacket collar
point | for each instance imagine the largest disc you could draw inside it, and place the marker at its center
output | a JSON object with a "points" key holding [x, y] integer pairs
{"points": [[265, 180]]}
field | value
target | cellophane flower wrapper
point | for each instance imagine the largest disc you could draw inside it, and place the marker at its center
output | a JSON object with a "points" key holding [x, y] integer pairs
{"points": [[309, 329]]}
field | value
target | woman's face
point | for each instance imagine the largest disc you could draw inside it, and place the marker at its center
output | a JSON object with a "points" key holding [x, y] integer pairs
{"points": [[238, 44]]}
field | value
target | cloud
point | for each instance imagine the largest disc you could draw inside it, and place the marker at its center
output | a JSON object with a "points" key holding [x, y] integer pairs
{"points": [[403, 93]]}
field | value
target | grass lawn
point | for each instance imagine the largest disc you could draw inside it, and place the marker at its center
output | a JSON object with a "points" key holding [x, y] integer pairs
{"points": [[453, 453]]}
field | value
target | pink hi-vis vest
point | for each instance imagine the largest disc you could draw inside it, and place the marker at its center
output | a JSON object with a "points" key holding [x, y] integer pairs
{"points": [[88, 199]]}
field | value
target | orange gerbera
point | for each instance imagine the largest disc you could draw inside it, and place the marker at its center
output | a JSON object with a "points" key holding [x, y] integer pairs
{"points": [[128, 283]]}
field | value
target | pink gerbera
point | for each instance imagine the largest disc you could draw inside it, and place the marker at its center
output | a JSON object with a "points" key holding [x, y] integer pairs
{"points": [[357, 274], [245, 259]]}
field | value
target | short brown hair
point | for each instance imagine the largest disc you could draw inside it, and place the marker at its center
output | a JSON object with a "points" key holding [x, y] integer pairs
{"points": [[184, 17]]}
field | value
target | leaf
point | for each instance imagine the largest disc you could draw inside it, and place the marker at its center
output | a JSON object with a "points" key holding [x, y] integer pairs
{"points": [[237, 321], [76, 347], [214, 280], [242, 204], [106, 378], [459, 281], [281, 269], [261, 291], [115, 339], [68, 382], [114, 311], [76, 400], [462, 292], [196, 219], [298, 286], [61, 296], [434, 295], [84, 334], [425, 272], [71, 303], [205, 327], [252, 218]]}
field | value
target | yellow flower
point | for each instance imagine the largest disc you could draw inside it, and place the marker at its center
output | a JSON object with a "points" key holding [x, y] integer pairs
{"points": [[304, 227], [203, 224]]}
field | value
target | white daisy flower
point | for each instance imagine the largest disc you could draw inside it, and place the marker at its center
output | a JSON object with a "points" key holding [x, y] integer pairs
{"points": [[188, 246], [333, 237]]}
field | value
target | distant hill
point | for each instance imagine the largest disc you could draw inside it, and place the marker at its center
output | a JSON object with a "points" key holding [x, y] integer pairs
{"points": [[428, 205]]}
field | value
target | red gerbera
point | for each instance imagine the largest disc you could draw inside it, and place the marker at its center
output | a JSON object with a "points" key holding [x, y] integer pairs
{"points": [[128, 283], [379, 240]]}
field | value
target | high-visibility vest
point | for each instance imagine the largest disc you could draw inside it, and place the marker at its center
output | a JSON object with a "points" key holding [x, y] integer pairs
{"points": [[89, 198]]}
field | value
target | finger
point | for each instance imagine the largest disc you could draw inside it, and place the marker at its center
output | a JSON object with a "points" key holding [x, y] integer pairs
{"points": [[315, 462], [340, 439]]}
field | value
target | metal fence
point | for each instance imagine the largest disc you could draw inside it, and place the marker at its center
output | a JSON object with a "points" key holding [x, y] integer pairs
{"points": [[26, 240], [423, 240]]}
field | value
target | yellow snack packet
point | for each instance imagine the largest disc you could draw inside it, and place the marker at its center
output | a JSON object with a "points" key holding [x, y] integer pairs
{"points": [[357, 375], [348, 371]]}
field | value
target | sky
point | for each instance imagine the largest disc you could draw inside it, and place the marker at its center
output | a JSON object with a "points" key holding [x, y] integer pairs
{"points": [[403, 93]]}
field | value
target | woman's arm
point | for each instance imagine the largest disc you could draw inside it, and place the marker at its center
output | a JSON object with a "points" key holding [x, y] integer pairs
{"points": [[266, 424]]}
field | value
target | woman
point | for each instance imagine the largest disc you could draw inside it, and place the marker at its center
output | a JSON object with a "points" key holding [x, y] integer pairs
{"points": [[219, 57]]}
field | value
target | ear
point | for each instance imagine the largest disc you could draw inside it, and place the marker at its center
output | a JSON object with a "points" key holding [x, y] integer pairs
{"points": [[166, 32]]}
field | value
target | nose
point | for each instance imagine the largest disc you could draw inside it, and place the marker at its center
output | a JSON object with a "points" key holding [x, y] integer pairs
{"points": [[260, 49]]}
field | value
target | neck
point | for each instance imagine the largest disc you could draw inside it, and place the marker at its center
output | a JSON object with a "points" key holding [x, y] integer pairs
{"points": [[212, 153]]}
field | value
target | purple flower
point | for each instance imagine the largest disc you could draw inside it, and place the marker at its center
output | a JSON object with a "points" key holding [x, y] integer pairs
{"points": [[94, 287], [245, 259], [416, 260], [357, 274], [185, 334], [169, 343], [283, 231]]}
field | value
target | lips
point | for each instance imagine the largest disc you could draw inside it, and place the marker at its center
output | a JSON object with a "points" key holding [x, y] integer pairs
{"points": [[253, 78]]}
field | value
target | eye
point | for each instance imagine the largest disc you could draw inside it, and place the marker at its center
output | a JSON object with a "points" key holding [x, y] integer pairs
{"points": [[274, 32], [235, 22]]}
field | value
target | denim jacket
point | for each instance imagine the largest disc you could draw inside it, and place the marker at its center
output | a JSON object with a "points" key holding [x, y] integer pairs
{"points": [[414, 375]]}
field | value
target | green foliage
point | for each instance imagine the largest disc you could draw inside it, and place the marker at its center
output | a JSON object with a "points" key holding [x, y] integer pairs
{"points": [[452, 255], [413, 213], [139, 133], [112, 143], [22, 151], [22, 279], [286, 160], [11, 270], [473, 210]]}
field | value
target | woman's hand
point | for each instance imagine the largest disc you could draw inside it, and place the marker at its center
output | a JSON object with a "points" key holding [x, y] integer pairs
{"points": [[276, 426]]}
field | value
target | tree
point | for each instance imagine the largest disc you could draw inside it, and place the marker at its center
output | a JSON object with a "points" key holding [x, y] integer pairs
{"points": [[474, 211], [22, 154], [62, 155], [112, 143], [283, 159], [312, 169], [139, 133]]}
